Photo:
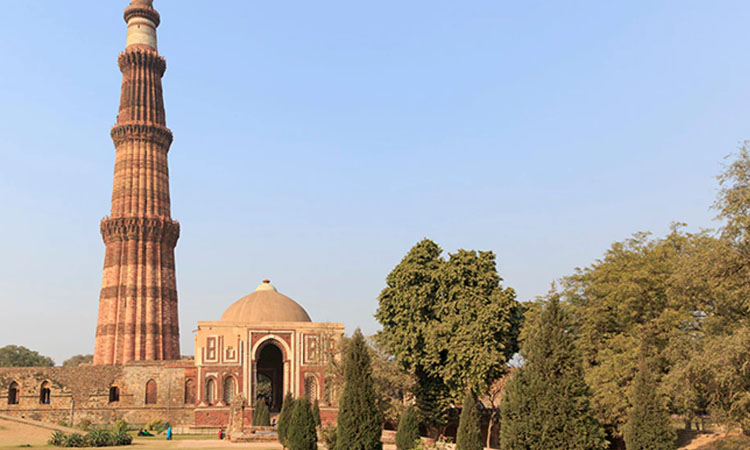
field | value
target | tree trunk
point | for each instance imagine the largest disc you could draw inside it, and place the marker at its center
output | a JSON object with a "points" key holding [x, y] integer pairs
{"points": [[489, 428]]}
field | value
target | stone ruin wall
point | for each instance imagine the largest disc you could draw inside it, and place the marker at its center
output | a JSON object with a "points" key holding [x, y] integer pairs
{"points": [[83, 393]]}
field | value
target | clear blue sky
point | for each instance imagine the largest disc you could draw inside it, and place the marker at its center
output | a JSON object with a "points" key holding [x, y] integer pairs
{"points": [[316, 142]]}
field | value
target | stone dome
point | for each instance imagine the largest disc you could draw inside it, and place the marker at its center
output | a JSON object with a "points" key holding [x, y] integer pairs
{"points": [[266, 304]]}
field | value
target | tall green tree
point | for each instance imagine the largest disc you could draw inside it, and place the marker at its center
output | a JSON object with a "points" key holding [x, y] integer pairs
{"points": [[449, 323], [359, 421], [733, 201], [690, 290], [718, 376], [639, 284], [469, 435], [649, 425], [302, 434], [547, 402], [316, 412], [407, 434], [18, 356], [475, 334], [287, 407], [261, 414], [408, 308], [393, 385]]}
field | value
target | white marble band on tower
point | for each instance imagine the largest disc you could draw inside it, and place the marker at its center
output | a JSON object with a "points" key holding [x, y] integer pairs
{"points": [[141, 31]]}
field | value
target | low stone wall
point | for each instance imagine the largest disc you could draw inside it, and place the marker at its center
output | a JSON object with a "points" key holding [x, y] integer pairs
{"points": [[83, 393]]}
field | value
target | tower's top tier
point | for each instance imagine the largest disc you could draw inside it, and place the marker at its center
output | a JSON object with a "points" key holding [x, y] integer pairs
{"points": [[142, 20]]}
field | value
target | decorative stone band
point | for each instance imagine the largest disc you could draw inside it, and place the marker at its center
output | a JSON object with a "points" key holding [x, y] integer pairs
{"points": [[141, 132], [141, 32], [154, 229], [142, 57], [139, 291], [112, 259], [142, 11], [130, 328]]}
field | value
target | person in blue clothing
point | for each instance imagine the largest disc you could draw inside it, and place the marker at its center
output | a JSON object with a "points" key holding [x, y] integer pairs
{"points": [[169, 433]]}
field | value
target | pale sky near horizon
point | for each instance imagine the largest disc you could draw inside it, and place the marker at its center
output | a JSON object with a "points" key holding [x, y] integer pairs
{"points": [[316, 142]]}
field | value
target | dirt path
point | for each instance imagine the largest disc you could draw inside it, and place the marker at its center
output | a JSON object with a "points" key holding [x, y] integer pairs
{"points": [[703, 439], [13, 434]]}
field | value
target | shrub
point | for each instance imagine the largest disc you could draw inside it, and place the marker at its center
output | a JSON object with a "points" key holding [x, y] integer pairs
{"points": [[329, 437], [284, 416], [316, 412], [57, 439], [359, 421], [99, 438], [84, 424], [119, 426], [74, 440], [408, 430], [122, 438], [261, 415], [157, 425], [301, 434], [94, 438]]}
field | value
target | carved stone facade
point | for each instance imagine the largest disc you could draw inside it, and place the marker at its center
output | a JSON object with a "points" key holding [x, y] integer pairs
{"points": [[234, 350], [266, 344]]}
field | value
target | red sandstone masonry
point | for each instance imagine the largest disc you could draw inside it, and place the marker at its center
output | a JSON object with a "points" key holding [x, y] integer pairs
{"points": [[138, 316], [82, 393]]}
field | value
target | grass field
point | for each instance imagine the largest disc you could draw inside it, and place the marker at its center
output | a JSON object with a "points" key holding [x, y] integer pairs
{"points": [[15, 435]]}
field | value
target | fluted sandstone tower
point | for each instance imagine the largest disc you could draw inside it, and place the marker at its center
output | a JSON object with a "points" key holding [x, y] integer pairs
{"points": [[138, 300]]}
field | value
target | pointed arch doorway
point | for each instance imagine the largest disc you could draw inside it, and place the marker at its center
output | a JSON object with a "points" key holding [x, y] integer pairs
{"points": [[269, 382]]}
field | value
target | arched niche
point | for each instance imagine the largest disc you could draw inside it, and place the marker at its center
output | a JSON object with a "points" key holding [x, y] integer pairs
{"points": [[270, 366]]}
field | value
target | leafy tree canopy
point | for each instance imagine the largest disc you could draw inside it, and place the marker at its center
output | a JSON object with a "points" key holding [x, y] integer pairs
{"points": [[18, 356], [449, 322], [689, 290], [77, 360]]}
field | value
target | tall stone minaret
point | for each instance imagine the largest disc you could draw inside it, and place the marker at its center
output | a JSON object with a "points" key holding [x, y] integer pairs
{"points": [[138, 300]]}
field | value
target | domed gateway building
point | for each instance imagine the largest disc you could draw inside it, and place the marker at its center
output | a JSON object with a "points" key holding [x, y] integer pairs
{"points": [[264, 346]]}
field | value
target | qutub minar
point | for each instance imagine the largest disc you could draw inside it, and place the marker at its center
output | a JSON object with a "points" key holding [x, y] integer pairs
{"points": [[138, 301], [263, 347]]}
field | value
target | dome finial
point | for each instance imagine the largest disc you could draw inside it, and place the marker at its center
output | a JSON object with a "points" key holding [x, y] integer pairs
{"points": [[266, 286]]}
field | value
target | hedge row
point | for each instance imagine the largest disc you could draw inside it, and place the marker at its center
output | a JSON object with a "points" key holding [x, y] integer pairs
{"points": [[95, 438]]}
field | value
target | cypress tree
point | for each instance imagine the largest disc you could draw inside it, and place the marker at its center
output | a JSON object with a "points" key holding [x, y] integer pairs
{"points": [[469, 436], [286, 413], [408, 429], [359, 422], [261, 415], [547, 403], [301, 434], [316, 412], [648, 426]]}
